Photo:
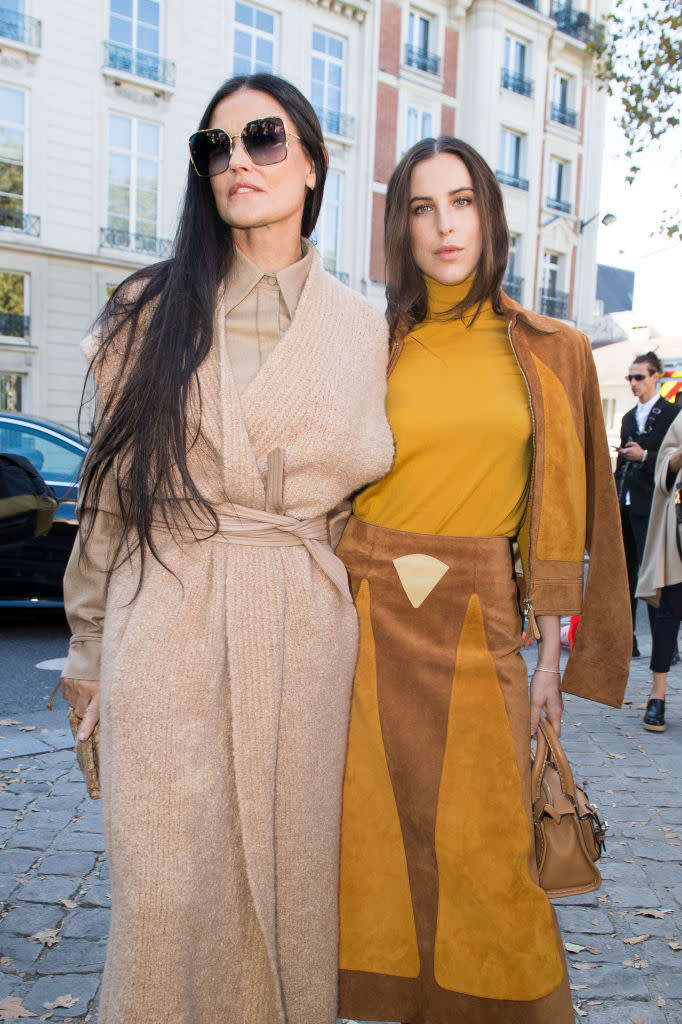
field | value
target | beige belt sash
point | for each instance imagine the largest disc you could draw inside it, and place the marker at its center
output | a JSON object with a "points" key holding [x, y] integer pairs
{"points": [[271, 528]]}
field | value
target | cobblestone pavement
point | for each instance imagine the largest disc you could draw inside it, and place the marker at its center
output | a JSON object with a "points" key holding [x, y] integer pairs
{"points": [[625, 941]]}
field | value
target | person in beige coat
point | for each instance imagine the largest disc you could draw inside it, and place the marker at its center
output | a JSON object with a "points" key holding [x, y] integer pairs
{"points": [[660, 577], [241, 391]]}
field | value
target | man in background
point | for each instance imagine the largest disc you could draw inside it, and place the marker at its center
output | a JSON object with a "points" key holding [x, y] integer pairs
{"points": [[642, 431]]}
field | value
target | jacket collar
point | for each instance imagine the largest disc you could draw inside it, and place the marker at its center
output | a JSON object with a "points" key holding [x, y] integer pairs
{"points": [[513, 312]]}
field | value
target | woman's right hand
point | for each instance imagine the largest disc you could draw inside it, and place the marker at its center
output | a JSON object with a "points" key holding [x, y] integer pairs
{"points": [[83, 696]]}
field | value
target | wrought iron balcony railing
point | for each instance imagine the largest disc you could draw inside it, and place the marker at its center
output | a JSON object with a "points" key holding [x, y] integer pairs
{"points": [[529, 3], [513, 286], [148, 245], [16, 220], [552, 203], [333, 122], [574, 23], [422, 59], [554, 303], [139, 63], [563, 115], [517, 83], [512, 179], [15, 325], [20, 28]]}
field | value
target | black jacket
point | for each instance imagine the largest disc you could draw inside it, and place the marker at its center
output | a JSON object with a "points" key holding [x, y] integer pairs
{"points": [[638, 477]]}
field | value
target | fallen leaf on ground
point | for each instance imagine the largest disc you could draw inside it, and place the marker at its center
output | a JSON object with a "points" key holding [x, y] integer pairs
{"points": [[627, 702], [8, 721], [48, 937], [584, 967], [11, 1007], [572, 947], [671, 835], [5, 961], [640, 707], [69, 904], [675, 945], [638, 964], [593, 951], [636, 1020], [581, 1013], [661, 1001], [650, 913], [577, 987], [27, 728], [636, 939], [617, 757], [66, 1001]]}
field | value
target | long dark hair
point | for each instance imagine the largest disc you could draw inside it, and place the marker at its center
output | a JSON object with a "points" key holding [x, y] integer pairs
{"points": [[405, 286], [157, 329]]}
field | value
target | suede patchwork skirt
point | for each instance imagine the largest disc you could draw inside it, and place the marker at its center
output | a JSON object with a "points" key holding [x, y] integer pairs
{"points": [[442, 917]]}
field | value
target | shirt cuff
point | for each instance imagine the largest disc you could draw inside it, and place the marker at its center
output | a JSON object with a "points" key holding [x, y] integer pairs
{"points": [[84, 658]]}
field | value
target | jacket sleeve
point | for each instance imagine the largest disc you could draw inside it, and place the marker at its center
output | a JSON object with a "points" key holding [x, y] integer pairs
{"points": [[85, 591], [600, 661]]}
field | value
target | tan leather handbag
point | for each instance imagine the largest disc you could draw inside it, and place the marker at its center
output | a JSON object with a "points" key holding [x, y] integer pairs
{"points": [[569, 837]]}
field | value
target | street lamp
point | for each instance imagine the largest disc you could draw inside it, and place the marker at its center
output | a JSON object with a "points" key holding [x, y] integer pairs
{"points": [[607, 219]]}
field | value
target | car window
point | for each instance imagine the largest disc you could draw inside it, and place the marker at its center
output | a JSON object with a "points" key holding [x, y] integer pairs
{"points": [[56, 458]]}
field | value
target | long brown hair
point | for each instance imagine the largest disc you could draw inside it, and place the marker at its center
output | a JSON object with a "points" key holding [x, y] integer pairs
{"points": [[405, 286], [157, 329]]}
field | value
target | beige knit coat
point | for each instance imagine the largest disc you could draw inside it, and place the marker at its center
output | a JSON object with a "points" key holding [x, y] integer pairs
{"points": [[225, 698], [661, 565]]}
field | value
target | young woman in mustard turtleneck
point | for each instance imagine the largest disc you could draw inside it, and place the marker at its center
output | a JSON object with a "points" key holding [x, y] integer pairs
{"points": [[442, 916]]}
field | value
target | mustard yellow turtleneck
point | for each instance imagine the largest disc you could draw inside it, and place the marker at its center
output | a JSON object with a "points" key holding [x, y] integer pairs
{"points": [[459, 410]]}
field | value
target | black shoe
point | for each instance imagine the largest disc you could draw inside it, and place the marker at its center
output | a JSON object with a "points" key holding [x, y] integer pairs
{"points": [[635, 648], [654, 717], [675, 658]]}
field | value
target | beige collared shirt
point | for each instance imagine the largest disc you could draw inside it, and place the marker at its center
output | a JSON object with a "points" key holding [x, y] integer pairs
{"points": [[259, 308]]}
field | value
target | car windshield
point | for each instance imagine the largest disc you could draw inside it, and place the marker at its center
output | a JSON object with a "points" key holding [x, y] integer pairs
{"points": [[55, 457]]}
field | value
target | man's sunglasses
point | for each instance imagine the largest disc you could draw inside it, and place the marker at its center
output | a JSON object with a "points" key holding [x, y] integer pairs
{"points": [[635, 376], [266, 141]]}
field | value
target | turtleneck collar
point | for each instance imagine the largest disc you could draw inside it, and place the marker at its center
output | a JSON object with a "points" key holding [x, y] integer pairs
{"points": [[442, 297]]}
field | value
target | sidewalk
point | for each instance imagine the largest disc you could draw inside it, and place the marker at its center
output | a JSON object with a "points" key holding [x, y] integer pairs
{"points": [[54, 879]]}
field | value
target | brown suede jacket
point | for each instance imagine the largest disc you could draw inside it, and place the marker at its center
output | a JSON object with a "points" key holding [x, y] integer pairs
{"points": [[573, 506]]}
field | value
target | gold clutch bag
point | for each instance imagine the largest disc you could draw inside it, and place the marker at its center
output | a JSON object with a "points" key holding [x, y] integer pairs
{"points": [[87, 752]]}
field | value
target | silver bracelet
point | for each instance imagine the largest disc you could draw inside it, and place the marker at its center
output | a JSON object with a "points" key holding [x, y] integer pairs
{"points": [[551, 671]]}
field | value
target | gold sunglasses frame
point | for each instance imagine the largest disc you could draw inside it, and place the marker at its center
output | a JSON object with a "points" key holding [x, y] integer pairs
{"points": [[231, 140]]}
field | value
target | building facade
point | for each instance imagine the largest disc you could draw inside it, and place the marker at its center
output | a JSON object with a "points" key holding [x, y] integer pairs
{"points": [[98, 98]]}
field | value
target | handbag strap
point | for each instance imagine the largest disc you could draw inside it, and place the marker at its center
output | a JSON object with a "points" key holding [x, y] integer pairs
{"points": [[549, 749]]}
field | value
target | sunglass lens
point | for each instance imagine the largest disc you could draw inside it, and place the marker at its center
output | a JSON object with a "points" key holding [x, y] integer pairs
{"points": [[265, 140], [210, 152]]}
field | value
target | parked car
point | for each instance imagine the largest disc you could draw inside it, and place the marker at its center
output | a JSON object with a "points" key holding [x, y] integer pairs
{"points": [[31, 573]]}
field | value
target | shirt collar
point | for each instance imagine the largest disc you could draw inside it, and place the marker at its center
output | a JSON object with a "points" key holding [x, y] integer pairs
{"points": [[245, 275], [644, 408]]}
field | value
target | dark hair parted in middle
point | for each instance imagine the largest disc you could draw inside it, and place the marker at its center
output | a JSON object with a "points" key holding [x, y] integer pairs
{"points": [[159, 326], [405, 287]]}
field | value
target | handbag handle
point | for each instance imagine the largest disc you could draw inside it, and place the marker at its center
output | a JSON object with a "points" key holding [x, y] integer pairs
{"points": [[548, 744]]}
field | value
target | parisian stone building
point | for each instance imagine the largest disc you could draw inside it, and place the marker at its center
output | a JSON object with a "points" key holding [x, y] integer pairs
{"points": [[98, 98]]}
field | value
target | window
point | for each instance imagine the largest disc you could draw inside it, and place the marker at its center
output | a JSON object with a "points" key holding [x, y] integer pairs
{"points": [[10, 392], [254, 40], [58, 459], [14, 322], [514, 70], [133, 184], [608, 406], [419, 125], [553, 301], [510, 166], [134, 33], [563, 91], [12, 21], [12, 153], [558, 186], [327, 230], [420, 42], [513, 282], [327, 81]]}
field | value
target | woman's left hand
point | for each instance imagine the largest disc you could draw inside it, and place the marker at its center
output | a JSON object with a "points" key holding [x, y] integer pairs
{"points": [[545, 695]]}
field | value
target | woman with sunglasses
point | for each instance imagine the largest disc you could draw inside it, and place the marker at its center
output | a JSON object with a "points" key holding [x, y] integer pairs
{"points": [[242, 400], [499, 439]]}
